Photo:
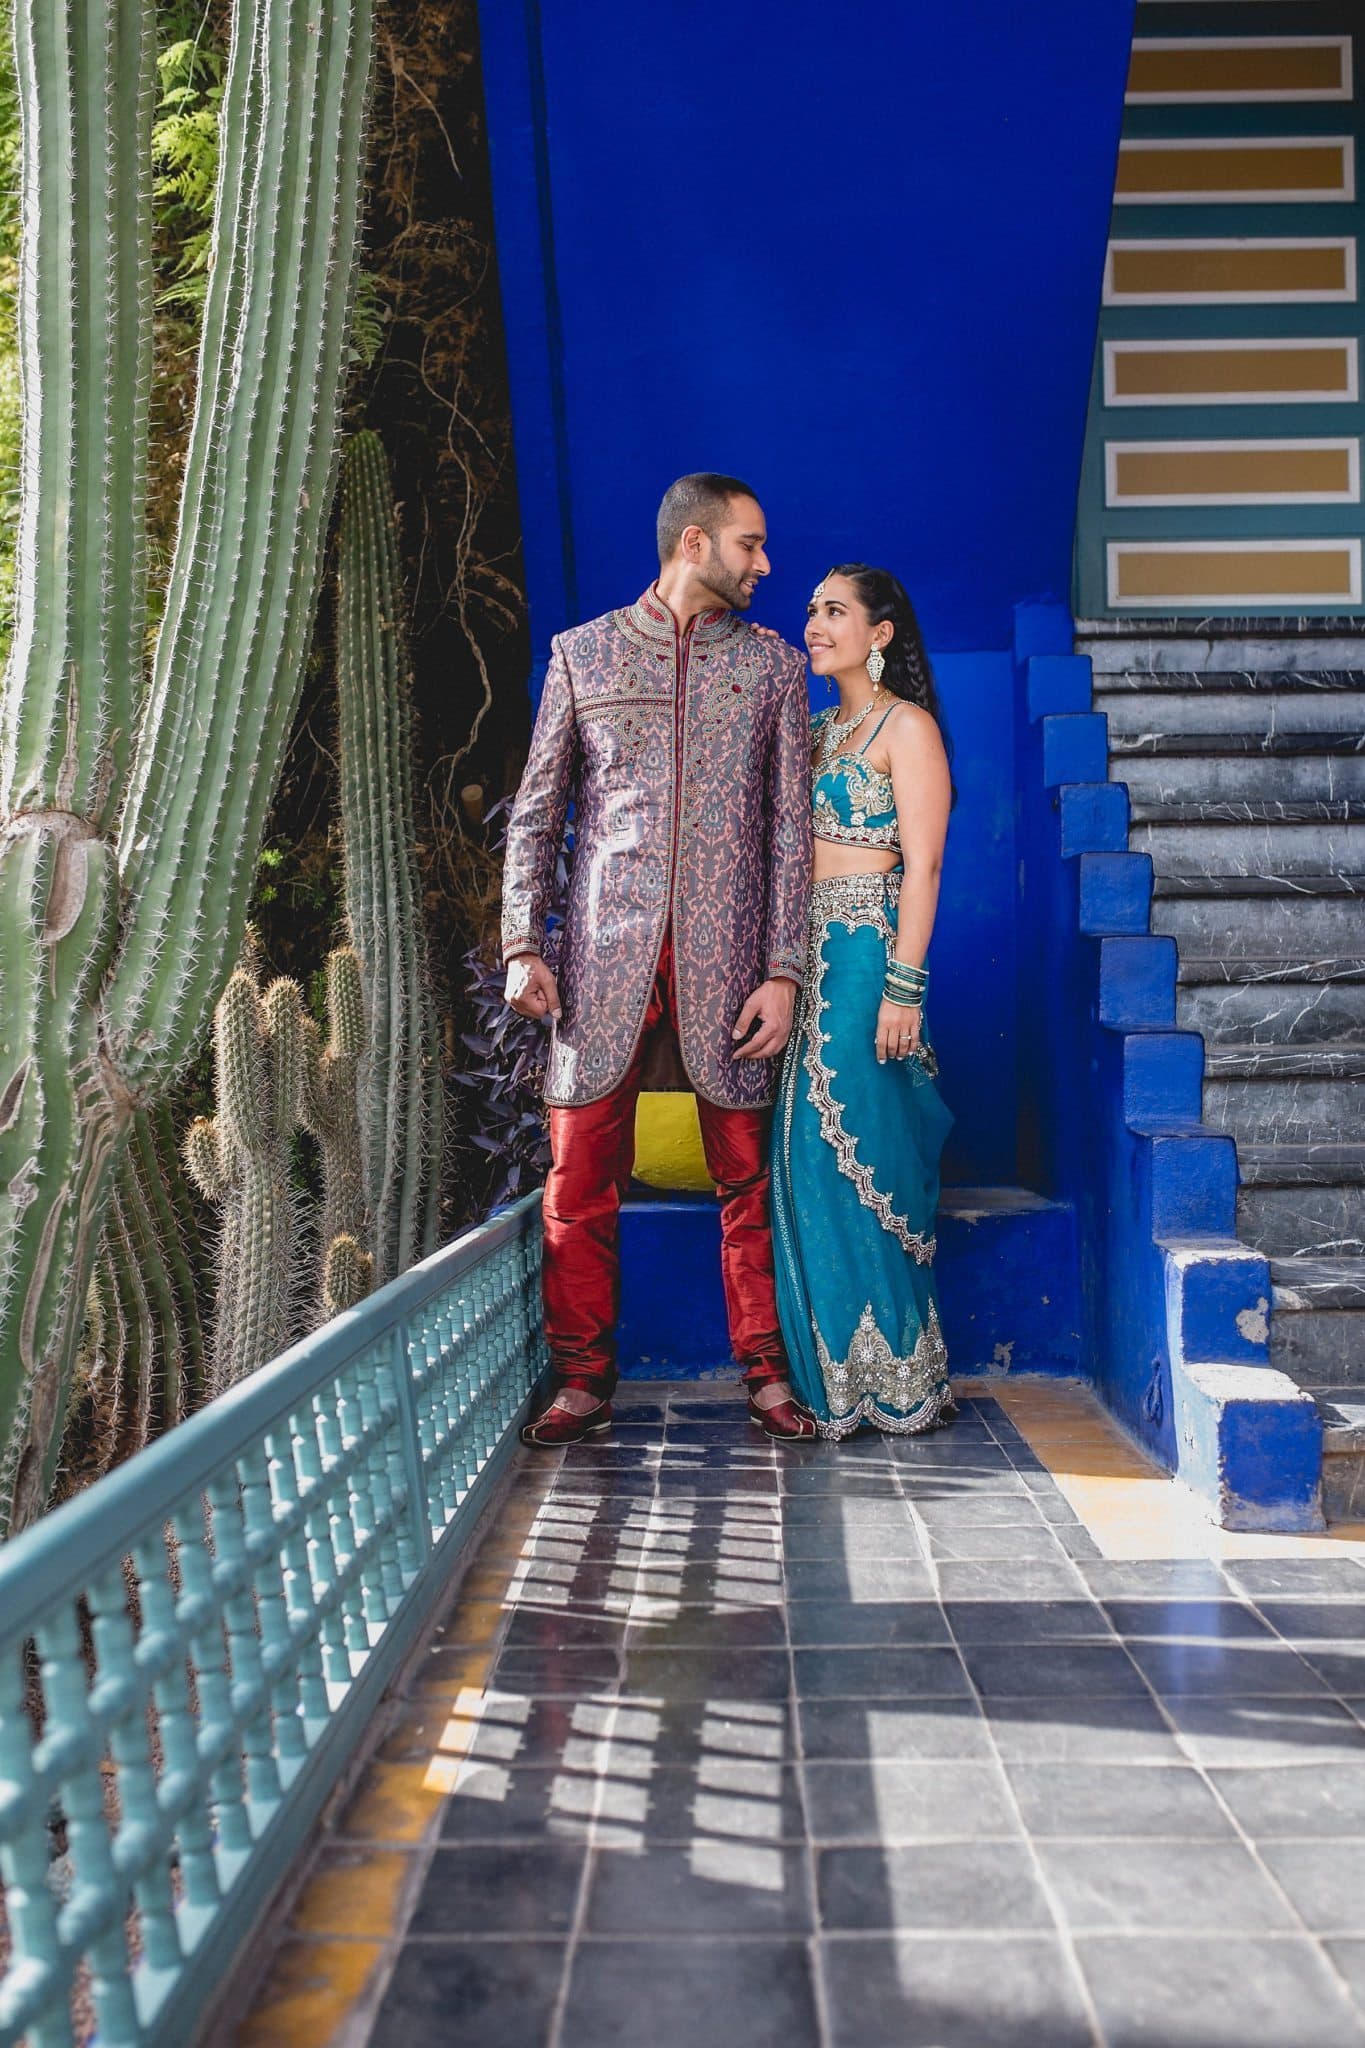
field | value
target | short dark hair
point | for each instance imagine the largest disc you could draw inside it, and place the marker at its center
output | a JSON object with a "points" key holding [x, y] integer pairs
{"points": [[702, 500]]}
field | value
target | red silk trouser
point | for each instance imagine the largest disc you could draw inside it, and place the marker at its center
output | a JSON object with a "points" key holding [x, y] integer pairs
{"points": [[592, 1151]]}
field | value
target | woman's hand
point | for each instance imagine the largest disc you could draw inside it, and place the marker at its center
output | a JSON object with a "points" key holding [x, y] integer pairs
{"points": [[898, 1029]]}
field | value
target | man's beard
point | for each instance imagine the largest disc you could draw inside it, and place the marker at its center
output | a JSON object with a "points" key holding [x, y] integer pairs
{"points": [[727, 589]]}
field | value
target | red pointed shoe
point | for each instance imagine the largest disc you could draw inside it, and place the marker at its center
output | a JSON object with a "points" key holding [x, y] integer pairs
{"points": [[555, 1426], [784, 1419]]}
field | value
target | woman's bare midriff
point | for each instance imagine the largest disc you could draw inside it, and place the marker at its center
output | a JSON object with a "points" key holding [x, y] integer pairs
{"points": [[833, 859]]}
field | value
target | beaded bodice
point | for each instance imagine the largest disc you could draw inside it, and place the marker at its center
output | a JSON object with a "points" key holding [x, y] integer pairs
{"points": [[853, 802]]}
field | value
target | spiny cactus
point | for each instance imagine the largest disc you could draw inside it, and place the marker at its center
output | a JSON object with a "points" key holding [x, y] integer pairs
{"points": [[240, 1159], [401, 1080], [331, 1105], [347, 1274], [131, 810], [140, 1365]]}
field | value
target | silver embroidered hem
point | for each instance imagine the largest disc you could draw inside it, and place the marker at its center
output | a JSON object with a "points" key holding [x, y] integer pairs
{"points": [[872, 1378]]}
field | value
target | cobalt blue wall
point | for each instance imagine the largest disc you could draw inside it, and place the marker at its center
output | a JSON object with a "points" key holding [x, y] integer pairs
{"points": [[852, 253], [855, 256]]}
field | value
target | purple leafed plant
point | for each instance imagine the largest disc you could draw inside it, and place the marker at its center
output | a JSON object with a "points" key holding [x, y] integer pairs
{"points": [[498, 1088]]}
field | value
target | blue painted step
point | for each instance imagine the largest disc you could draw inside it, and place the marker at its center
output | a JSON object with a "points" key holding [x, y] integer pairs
{"points": [[1006, 1269]]}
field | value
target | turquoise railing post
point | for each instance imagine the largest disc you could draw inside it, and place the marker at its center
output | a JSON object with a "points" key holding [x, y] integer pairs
{"points": [[192, 1649], [30, 1906], [415, 1443]]}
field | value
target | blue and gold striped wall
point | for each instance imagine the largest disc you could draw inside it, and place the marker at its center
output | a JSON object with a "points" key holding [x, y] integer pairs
{"points": [[1222, 464]]}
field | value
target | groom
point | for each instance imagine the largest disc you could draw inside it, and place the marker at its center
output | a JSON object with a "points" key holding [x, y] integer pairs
{"points": [[681, 734]]}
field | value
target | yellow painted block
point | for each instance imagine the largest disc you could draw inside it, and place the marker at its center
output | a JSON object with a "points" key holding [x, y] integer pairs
{"points": [[1203, 269], [668, 1147], [394, 1803], [1267, 372], [474, 1624], [1226, 69], [1153, 574], [445, 1674], [311, 1991], [1251, 473], [354, 1892], [1256, 170]]}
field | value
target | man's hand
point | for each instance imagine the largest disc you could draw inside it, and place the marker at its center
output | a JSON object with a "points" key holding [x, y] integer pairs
{"points": [[531, 988], [771, 1008]]}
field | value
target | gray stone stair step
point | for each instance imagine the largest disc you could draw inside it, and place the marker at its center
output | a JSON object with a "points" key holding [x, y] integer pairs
{"points": [[1145, 808], [1231, 1061], [1302, 1198], [1317, 1329], [1272, 1013], [1330, 648], [1124, 746], [1305, 1284], [1264, 926], [1265, 1109], [1331, 1162], [1343, 1454], [1221, 682], [1344, 1415], [1217, 969], [1205, 779], [1219, 883], [1197, 847], [1171, 713], [1326, 1218]]}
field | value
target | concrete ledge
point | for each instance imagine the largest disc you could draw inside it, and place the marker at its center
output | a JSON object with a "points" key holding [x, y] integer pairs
{"points": [[1194, 1181], [1163, 1077], [1007, 1272], [1250, 1446], [1093, 817], [1137, 982], [1075, 747], [1217, 1303], [1115, 894]]}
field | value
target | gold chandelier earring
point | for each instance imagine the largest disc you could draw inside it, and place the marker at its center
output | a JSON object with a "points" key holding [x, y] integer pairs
{"points": [[876, 662]]}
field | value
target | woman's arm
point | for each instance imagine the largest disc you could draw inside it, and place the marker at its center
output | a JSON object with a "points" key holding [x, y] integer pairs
{"points": [[922, 787]]}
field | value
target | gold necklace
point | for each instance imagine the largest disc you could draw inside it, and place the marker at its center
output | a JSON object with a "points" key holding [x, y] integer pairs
{"points": [[836, 733]]}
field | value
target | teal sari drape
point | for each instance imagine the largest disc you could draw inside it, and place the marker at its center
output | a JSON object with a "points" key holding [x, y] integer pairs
{"points": [[855, 1159]]}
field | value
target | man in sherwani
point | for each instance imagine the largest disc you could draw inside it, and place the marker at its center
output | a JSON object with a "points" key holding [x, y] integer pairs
{"points": [[681, 735]]}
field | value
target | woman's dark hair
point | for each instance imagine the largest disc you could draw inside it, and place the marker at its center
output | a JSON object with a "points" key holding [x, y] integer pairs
{"points": [[907, 673]]}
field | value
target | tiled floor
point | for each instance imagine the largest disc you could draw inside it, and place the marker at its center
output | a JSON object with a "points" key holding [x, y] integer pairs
{"points": [[877, 1743]]}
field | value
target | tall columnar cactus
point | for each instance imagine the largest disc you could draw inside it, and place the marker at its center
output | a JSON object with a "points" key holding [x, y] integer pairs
{"points": [[240, 1158], [401, 1083], [131, 809]]}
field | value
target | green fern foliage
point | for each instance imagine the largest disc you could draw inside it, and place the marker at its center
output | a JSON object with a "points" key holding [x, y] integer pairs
{"points": [[191, 74]]}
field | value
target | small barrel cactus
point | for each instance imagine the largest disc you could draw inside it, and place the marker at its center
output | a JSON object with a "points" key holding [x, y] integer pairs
{"points": [[347, 1274]]}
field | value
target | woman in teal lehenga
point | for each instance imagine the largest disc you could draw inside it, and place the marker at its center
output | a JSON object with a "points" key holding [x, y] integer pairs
{"points": [[859, 1124]]}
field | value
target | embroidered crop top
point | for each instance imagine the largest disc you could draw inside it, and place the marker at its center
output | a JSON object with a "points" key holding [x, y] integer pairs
{"points": [[854, 804]]}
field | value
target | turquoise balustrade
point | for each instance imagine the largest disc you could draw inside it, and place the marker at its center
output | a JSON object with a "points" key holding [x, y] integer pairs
{"points": [[191, 1649]]}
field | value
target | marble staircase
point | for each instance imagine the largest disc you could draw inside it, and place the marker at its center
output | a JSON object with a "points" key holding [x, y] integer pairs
{"points": [[1245, 767]]}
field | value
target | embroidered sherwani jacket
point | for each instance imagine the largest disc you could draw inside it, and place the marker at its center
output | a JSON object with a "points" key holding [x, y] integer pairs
{"points": [[686, 755]]}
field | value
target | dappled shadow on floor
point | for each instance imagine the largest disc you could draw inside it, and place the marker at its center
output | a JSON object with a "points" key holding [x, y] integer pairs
{"points": [[859, 1744]]}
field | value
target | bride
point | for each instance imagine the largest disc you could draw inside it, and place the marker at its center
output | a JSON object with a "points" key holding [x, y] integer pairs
{"points": [[859, 1123]]}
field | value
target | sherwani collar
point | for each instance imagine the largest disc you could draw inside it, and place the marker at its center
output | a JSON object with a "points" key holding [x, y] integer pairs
{"points": [[650, 621]]}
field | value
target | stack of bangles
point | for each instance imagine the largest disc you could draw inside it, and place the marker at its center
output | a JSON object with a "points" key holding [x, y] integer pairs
{"points": [[905, 984]]}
